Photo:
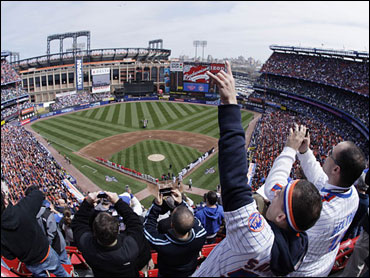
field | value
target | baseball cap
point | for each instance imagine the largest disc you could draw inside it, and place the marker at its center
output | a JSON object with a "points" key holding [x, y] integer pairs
{"points": [[126, 197]]}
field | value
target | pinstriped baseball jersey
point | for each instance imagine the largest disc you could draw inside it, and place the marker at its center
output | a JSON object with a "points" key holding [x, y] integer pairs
{"points": [[339, 206], [246, 249], [338, 209]]}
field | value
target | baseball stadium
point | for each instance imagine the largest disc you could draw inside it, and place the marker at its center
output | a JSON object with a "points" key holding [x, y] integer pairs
{"points": [[132, 120]]}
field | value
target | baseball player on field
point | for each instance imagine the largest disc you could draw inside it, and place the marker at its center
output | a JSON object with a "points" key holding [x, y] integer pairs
{"points": [[255, 246], [344, 164]]}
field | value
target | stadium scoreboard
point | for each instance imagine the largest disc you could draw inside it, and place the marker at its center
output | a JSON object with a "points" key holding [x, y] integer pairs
{"points": [[100, 80], [191, 77]]}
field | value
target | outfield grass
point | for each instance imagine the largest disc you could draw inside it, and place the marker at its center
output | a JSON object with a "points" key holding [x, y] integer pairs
{"points": [[69, 133]]}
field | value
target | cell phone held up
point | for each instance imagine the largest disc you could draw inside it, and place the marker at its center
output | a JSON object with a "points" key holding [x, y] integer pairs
{"points": [[165, 191], [102, 195]]}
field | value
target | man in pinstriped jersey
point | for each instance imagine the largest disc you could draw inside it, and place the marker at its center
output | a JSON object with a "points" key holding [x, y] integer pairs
{"points": [[344, 164], [255, 246]]}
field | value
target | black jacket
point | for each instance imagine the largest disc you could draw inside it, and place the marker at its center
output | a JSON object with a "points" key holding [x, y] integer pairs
{"points": [[119, 260], [176, 258], [21, 235]]}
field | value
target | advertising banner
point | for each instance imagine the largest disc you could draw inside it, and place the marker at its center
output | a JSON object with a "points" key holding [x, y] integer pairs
{"points": [[73, 190], [167, 81], [27, 111], [100, 71], [215, 68], [100, 80], [101, 89], [177, 66], [196, 87], [79, 75]]}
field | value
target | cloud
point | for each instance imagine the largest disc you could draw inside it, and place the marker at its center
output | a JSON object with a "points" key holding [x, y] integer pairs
{"points": [[231, 28]]}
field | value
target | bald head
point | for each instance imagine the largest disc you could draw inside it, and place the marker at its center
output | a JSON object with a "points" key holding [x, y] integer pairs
{"points": [[182, 220]]}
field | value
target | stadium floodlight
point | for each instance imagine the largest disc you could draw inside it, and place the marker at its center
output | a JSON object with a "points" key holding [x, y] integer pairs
{"points": [[203, 44], [196, 44]]}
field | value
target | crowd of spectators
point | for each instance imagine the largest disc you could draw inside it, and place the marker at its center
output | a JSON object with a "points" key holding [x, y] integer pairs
{"points": [[11, 93], [339, 126], [15, 109], [25, 162], [8, 73], [345, 74], [270, 135], [77, 99], [354, 104]]}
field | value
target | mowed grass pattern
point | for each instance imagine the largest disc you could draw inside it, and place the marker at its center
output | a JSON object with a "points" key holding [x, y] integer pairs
{"points": [[69, 133], [136, 157]]}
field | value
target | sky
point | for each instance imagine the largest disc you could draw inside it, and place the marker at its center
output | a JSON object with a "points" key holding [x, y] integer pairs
{"points": [[231, 29]]}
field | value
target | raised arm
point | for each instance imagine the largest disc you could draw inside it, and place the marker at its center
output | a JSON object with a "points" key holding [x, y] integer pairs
{"points": [[279, 173], [311, 167], [232, 160]]}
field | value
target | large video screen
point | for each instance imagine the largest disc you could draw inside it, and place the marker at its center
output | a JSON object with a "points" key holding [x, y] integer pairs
{"points": [[195, 77], [100, 80]]}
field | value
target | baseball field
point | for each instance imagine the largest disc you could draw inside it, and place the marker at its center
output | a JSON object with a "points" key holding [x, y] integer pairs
{"points": [[176, 134]]}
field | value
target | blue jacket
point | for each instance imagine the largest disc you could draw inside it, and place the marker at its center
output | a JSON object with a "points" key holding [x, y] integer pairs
{"points": [[211, 218]]}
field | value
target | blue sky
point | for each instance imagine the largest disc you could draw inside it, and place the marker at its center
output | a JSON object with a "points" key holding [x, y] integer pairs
{"points": [[231, 28]]}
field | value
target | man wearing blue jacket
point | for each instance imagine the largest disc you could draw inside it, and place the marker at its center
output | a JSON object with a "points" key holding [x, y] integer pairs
{"points": [[255, 245], [211, 216]]}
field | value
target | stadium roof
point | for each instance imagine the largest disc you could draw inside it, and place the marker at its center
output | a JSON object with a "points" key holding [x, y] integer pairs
{"points": [[355, 55]]}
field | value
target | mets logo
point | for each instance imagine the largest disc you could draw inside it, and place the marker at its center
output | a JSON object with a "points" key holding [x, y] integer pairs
{"points": [[255, 222]]}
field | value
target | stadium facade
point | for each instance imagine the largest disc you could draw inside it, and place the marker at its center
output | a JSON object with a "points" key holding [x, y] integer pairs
{"points": [[44, 77]]}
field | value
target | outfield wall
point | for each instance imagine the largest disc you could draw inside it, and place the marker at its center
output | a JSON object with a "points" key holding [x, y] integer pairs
{"points": [[101, 103]]}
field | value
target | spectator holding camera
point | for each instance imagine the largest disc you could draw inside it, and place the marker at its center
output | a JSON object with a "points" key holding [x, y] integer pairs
{"points": [[342, 167], [108, 252], [178, 249]]}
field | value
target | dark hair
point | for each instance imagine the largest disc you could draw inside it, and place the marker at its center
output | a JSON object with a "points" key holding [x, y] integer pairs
{"points": [[105, 228], [182, 220], [307, 204], [30, 189], [352, 162], [212, 197]]}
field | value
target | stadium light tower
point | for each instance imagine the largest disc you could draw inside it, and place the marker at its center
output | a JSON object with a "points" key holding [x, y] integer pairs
{"points": [[203, 44], [196, 44]]}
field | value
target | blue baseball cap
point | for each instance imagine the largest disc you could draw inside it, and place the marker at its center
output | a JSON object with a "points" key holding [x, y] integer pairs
{"points": [[126, 197]]}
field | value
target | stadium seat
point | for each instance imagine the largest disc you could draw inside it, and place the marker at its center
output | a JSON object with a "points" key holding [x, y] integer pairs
{"points": [[7, 273], [155, 258], [69, 269], [344, 252], [17, 267], [13, 264], [207, 249], [153, 273], [76, 257], [220, 237]]}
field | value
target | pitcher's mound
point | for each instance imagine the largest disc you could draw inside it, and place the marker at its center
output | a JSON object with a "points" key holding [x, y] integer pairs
{"points": [[156, 157]]}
